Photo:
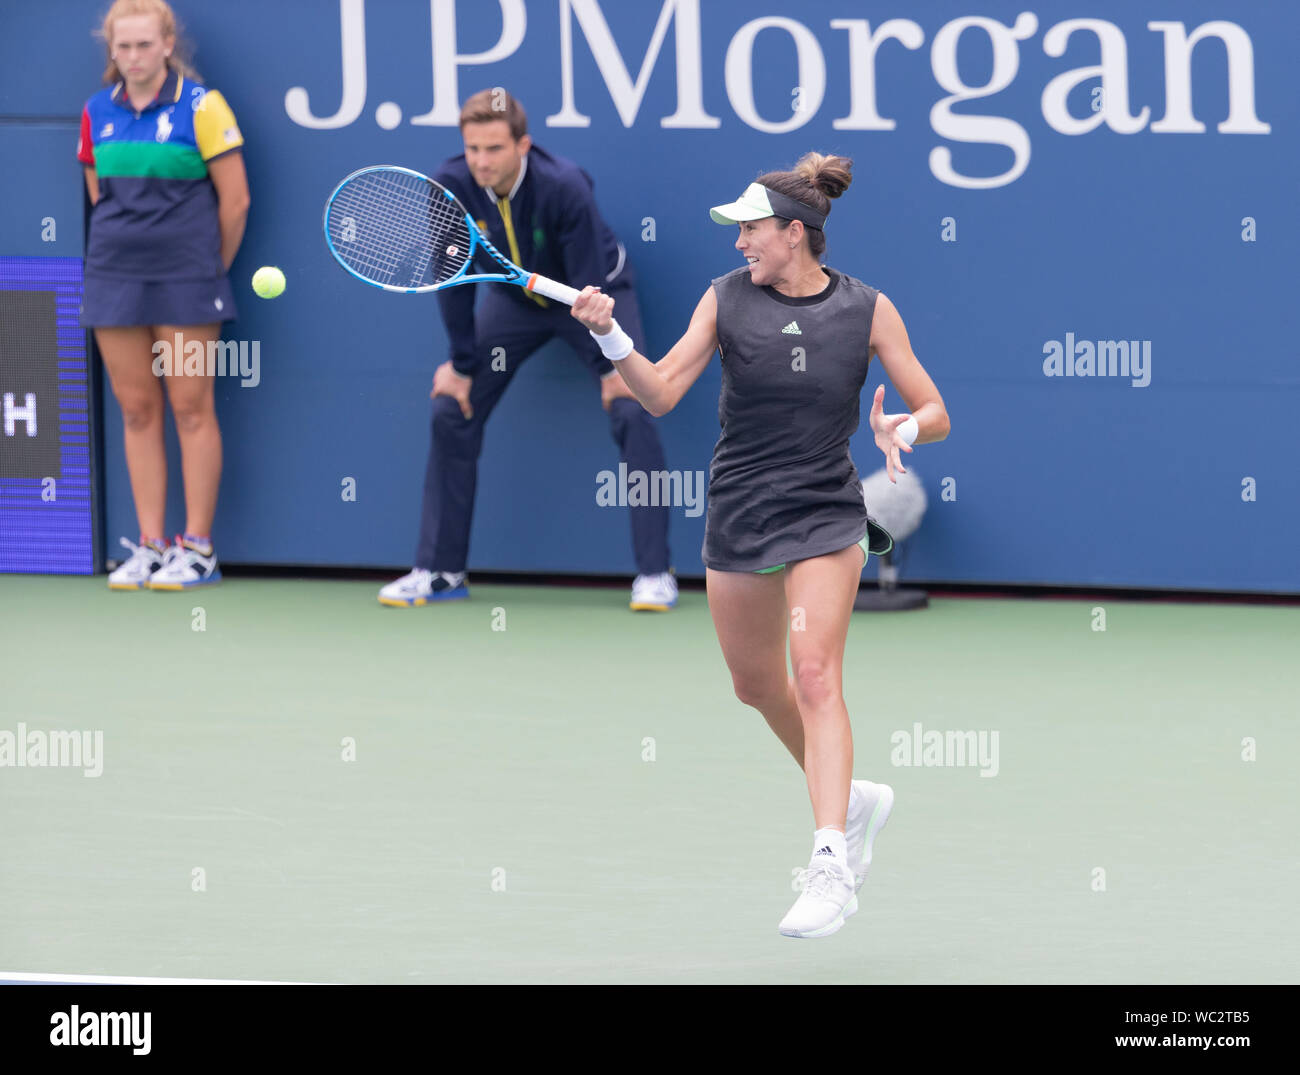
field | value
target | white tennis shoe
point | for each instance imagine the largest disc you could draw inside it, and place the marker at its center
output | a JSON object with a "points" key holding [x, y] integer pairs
{"points": [[826, 901], [868, 812], [136, 570], [186, 566], [419, 586], [653, 593]]}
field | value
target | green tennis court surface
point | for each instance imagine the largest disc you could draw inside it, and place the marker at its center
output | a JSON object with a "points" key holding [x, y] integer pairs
{"points": [[501, 822]]}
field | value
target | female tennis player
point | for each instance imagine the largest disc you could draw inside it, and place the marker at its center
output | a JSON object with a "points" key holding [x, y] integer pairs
{"points": [[787, 533], [170, 197]]}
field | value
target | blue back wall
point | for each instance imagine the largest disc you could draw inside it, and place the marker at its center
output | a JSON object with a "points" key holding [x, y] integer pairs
{"points": [[1129, 230]]}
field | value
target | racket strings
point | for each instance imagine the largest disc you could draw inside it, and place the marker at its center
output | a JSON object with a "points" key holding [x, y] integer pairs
{"points": [[398, 229]]}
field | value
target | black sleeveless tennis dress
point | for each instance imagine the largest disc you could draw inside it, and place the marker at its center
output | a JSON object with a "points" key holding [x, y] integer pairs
{"points": [[782, 486]]}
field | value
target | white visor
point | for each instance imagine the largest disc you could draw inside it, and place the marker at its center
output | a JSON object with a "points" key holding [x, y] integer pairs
{"points": [[752, 205]]}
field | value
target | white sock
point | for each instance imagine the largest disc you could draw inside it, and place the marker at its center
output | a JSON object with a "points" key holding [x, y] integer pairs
{"points": [[830, 842]]}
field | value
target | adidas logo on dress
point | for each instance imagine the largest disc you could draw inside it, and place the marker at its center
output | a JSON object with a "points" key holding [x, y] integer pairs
{"points": [[792, 329]]}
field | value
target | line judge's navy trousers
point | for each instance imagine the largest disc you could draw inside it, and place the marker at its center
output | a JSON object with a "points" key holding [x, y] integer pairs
{"points": [[451, 476]]}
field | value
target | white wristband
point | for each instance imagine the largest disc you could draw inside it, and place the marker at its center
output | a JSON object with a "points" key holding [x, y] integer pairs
{"points": [[908, 430], [615, 344]]}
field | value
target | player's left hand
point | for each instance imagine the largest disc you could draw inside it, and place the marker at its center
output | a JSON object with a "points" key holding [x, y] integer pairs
{"points": [[612, 387], [887, 439]]}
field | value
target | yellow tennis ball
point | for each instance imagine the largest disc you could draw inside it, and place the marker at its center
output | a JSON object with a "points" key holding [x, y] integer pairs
{"points": [[268, 282]]}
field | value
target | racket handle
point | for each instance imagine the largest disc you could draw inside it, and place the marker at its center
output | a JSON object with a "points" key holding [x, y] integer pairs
{"points": [[552, 290]]}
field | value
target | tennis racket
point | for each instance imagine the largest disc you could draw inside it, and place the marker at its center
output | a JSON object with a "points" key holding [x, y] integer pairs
{"points": [[399, 230]]}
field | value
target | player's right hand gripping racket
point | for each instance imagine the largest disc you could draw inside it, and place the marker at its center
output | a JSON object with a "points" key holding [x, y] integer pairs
{"points": [[399, 230]]}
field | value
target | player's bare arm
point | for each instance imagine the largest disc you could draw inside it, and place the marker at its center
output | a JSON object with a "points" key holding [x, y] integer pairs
{"points": [[658, 385], [890, 342]]}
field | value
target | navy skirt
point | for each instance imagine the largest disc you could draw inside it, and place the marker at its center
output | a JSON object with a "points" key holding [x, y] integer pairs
{"points": [[113, 302]]}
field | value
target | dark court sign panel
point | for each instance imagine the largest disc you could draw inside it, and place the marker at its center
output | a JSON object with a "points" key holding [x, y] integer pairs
{"points": [[46, 506]]}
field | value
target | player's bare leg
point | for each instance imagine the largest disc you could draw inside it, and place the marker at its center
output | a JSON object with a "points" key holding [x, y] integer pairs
{"points": [[750, 616], [820, 595]]}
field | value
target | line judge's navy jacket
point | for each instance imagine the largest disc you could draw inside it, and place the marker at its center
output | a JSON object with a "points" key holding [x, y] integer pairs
{"points": [[557, 226]]}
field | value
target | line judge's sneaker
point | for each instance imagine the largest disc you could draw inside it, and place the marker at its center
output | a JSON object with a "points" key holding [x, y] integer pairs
{"points": [[135, 572], [186, 566], [868, 812], [827, 900], [653, 593], [420, 586]]}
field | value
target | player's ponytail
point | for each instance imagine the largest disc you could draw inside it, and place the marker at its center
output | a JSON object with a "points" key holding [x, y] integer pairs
{"points": [[815, 180], [178, 61], [830, 175]]}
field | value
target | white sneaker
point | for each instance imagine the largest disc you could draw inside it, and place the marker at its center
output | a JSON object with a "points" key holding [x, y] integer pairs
{"points": [[419, 586], [185, 567], [867, 815], [654, 593], [135, 572], [826, 901]]}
